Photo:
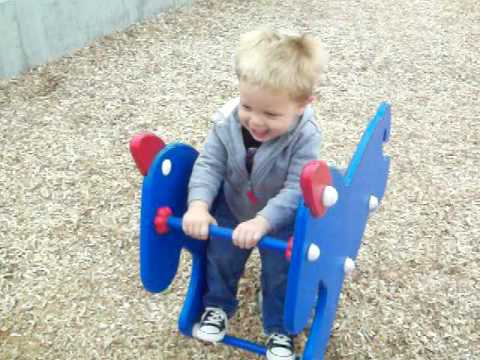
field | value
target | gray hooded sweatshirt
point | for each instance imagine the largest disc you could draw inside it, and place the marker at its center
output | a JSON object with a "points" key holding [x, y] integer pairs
{"points": [[275, 176]]}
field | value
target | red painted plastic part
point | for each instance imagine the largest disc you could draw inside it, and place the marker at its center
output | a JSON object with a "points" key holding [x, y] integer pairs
{"points": [[161, 220], [315, 177], [144, 147], [288, 252]]}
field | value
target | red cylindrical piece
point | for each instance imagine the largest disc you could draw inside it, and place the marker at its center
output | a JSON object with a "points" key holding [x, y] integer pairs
{"points": [[288, 251], [161, 220]]}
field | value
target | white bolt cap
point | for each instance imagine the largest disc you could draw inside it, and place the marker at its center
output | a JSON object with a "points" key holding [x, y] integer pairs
{"points": [[348, 266], [373, 203], [166, 167], [330, 196], [313, 252]]}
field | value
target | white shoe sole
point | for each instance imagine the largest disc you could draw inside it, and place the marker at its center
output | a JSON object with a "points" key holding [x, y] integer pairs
{"points": [[212, 338], [293, 357]]}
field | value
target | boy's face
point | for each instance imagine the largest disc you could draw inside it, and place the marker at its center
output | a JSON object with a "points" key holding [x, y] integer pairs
{"points": [[266, 114]]}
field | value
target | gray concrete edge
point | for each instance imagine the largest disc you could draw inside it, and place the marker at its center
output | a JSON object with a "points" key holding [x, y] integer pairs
{"points": [[39, 31]]}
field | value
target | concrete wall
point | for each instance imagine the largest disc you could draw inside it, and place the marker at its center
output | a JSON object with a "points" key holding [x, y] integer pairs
{"points": [[33, 32]]}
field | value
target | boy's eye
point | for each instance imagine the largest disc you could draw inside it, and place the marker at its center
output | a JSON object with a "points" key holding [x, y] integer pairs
{"points": [[269, 114], [246, 107]]}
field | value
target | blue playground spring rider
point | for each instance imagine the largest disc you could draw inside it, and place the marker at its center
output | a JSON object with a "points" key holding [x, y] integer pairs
{"points": [[329, 227]]}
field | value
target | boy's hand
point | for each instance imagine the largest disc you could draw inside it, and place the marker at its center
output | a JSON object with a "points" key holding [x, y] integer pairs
{"points": [[247, 234], [197, 219]]}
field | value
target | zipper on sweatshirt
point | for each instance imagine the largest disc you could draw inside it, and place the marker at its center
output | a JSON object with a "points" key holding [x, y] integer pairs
{"points": [[251, 194], [242, 169]]}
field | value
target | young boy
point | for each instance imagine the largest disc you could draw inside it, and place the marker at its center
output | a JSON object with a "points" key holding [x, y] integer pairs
{"points": [[248, 174]]}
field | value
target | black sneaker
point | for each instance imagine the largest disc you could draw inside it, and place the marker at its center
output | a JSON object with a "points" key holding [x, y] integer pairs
{"points": [[212, 326], [280, 347]]}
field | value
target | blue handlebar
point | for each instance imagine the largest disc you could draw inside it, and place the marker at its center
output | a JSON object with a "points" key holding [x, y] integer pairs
{"points": [[265, 242]]}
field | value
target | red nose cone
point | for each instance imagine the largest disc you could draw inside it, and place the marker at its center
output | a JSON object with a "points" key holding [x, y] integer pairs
{"points": [[144, 147]]}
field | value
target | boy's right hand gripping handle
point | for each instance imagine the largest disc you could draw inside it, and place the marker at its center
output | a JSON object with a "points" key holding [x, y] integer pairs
{"points": [[164, 220]]}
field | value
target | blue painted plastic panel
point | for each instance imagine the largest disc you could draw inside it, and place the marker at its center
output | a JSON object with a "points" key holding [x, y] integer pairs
{"points": [[193, 306], [338, 234], [159, 254]]}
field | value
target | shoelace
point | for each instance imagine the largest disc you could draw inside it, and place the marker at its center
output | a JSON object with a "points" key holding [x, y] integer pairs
{"points": [[281, 340], [213, 317]]}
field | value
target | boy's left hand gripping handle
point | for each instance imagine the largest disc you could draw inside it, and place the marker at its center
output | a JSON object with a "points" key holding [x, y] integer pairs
{"points": [[144, 147]]}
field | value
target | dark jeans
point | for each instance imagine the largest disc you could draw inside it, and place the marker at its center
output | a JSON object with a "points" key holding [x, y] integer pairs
{"points": [[225, 266]]}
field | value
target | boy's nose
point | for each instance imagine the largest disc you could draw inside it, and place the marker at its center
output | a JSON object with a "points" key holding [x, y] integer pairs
{"points": [[255, 121]]}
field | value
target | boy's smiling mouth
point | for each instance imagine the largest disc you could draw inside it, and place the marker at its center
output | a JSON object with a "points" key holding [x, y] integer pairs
{"points": [[259, 135]]}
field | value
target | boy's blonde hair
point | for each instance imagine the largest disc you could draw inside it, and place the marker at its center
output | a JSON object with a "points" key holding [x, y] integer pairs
{"points": [[281, 62]]}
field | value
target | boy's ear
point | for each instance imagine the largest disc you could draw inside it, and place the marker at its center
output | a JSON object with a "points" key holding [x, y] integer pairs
{"points": [[305, 103]]}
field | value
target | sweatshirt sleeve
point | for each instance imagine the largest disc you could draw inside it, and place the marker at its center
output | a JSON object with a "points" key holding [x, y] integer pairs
{"points": [[281, 209], [209, 170]]}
